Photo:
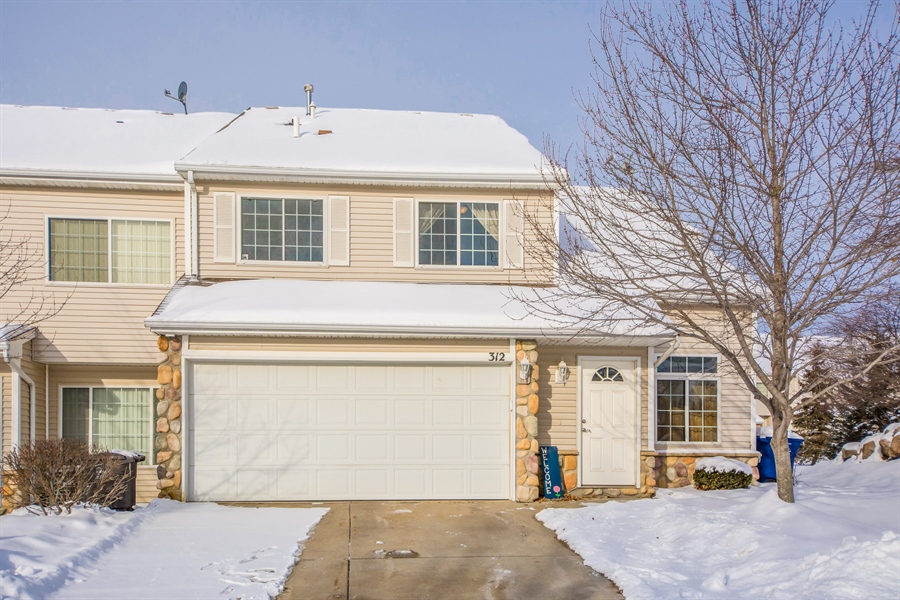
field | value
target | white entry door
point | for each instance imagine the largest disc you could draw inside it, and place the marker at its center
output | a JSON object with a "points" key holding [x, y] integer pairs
{"points": [[609, 394], [349, 431]]}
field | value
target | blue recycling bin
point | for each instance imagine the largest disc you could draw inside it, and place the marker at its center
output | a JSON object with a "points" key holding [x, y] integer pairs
{"points": [[767, 457]]}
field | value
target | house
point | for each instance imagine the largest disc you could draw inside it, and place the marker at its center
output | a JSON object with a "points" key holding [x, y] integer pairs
{"points": [[276, 305]]}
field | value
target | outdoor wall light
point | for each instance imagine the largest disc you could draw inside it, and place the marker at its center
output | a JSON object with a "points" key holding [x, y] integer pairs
{"points": [[562, 372], [525, 370]]}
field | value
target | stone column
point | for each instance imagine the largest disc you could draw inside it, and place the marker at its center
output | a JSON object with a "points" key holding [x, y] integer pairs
{"points": [[168, 422], [527, 449]]}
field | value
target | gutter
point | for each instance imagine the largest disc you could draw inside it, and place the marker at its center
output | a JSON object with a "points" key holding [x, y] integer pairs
{"points": [[53, 178], [351, 177], [576, 336]]}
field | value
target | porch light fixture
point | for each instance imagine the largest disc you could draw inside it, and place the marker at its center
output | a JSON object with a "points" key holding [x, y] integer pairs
{"points": [[562, 372], [525, 370]]}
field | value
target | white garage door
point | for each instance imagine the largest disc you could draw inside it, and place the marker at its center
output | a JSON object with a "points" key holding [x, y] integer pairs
{"points": [[332, 432]]}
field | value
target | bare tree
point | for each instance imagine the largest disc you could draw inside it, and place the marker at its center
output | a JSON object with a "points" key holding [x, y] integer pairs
{"points": [[741, 157], [22, 265]]}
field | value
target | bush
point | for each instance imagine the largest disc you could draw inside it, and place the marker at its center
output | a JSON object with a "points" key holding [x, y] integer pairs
{"points": [[52, 476], [717, 480]]}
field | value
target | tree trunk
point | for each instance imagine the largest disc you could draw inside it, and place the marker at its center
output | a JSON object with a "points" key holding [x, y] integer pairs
{"points": [[784, 474]]}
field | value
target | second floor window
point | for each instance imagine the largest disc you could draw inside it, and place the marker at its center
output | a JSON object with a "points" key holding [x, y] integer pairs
{"points": [[282, 229], [459, 233], [110, 251]]}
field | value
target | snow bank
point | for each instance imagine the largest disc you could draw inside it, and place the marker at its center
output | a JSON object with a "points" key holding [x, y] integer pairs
{"points": [[720, 464], [168, 549], [839, 540]]}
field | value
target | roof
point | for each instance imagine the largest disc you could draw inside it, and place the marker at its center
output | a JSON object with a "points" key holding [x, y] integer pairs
{"points": [[11, 332], [100, 141], [374, 144], [282, 307]]}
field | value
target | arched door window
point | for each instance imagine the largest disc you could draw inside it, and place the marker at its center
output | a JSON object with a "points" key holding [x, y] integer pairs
{"points": [[607, 374]]}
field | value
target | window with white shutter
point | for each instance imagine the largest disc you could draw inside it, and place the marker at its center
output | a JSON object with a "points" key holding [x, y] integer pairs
{"points": [[223, 231], [404, 234], [514, 218], [339, 230]]}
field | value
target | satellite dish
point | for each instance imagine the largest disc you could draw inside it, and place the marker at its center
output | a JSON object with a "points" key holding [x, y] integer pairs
{"points": [[182, 95]]}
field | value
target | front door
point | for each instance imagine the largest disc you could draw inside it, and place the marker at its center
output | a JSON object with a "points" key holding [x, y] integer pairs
{"points": [[609, 422]]}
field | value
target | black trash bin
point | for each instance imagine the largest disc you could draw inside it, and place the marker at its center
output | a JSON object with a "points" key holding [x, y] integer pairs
{"points": [[126, 463]]}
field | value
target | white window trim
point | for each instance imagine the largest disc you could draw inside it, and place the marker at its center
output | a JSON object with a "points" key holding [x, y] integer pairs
{"points": [[109, 281], [149, 460], [239, 240], [717, 377], [501, 247]]}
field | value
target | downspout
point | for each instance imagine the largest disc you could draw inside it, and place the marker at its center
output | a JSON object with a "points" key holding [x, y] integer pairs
{"points": [[46, 402], [668, 352], [188, 226], [195, 228], [16, 404]]}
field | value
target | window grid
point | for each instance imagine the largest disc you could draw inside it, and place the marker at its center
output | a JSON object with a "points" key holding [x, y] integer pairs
{"points": [[110, 251], [479, 224], [79, 250], [111, 418], [687, 407], [459, 233], [140, 252], [282, 229], [607, 374]]}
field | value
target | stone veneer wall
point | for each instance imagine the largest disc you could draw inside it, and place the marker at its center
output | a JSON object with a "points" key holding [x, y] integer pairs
{"points": [[527, 448], [657, 471], [168, 423]]}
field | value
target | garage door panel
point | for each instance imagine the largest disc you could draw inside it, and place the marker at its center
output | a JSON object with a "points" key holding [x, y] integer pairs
{"points": [[292, 378], [411, 412], [373, 412], [307, 432]]}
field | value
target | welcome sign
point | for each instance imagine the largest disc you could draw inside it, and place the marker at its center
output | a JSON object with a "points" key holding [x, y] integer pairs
{"points": [[551, 473]]}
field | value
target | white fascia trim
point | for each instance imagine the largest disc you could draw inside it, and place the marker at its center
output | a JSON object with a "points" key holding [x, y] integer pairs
{"points": [[41, 177], [335, 176], [173, 328]]}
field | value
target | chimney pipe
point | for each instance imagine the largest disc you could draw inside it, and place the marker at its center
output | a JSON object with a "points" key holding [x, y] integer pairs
{"points": [[312, 110], [296, 126], [308, 88]]}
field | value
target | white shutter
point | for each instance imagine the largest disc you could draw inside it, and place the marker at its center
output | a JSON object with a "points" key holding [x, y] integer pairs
{"points": [[223, 231], [404, 232], [339, 230], [514, 217]]}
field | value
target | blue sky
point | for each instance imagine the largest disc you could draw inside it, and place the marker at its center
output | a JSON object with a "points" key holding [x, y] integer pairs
{"points": [[524, 61]]}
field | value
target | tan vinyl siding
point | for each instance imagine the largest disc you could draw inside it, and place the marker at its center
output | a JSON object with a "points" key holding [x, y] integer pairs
{"points": [[262, 344], [98, 322], [146, 484], [371, 238], [36, 372], [558, 410]]}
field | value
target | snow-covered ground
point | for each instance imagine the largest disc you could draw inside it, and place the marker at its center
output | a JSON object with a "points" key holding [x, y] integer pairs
{"points": [[839, 540], [165, 550]]}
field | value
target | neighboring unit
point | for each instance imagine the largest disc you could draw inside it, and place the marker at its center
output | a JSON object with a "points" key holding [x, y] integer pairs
{"points": [[274, 306]]}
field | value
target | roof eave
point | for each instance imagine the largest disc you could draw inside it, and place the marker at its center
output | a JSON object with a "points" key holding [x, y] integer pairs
{"points": [[82, 179], [350, 177]]}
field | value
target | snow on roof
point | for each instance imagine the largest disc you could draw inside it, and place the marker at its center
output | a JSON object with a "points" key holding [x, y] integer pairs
{"points": [[370, 141], [100, 140], [358, 307], [14, 331]]}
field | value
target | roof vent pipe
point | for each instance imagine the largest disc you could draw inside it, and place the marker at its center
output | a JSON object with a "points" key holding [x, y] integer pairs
{"points": [[308, 88], [312, 110], [296, 126]]}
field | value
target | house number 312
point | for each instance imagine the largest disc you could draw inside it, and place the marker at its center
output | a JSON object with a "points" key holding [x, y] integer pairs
{"points": [[496, 356]]}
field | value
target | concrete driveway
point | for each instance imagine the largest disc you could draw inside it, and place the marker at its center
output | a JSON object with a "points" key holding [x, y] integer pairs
{"points": [[422, 550]]}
